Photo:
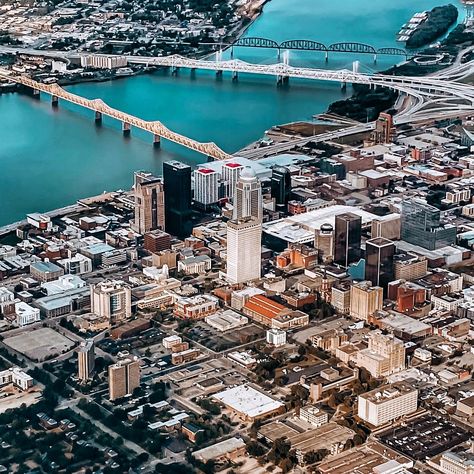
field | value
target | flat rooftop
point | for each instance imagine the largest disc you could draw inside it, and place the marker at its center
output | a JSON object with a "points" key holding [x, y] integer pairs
{"points": [[248, 401]]}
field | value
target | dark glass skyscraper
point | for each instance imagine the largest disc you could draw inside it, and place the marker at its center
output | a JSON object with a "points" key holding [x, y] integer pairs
{"points": [[347, 238], [177, 186], [379, 268], [421, 225], [281, 186]]}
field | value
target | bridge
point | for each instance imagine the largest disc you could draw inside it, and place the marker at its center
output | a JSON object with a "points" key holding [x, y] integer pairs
{"points": [[310, 45], [101, 108], [430, 97]]}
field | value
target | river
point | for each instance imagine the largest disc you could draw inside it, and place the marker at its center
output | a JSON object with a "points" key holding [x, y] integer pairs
{"points": [[51, 157]]}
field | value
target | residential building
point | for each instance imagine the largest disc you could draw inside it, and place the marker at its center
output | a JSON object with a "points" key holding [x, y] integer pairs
{"points": [[230, 174], [206, 187], [86, 360], [124, 378], [324, 243]]}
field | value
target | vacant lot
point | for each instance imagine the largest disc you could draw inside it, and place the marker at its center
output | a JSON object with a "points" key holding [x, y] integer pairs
{"points": [[41, 344]]}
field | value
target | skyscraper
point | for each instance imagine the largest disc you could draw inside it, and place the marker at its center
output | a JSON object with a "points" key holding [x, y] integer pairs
{"points": [[230, 173], [379, 263], [86, 360], [149, 203], [347, 238], [248, 196], [384, 129], [281, 187], [124, 378], [177, 186], [421, 225], [244, 252], [111, 300], [324, 242], [206, 187]]}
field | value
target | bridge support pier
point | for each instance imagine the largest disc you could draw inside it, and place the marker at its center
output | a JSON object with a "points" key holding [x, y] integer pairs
{"points": [[282, 80], [232, 52], [174, 70], [54, 100], [156, 140], [126, 129], [375, 58], [36, 93], [219, 73], [343, 86], [326, 56], [235, 76], [98, 118]]}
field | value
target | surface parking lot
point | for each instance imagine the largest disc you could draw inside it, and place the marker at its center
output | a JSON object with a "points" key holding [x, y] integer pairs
{"points": [[425, 437]]}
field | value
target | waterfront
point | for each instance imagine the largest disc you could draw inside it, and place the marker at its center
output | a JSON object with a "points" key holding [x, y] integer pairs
{"points": [[51, 157]]}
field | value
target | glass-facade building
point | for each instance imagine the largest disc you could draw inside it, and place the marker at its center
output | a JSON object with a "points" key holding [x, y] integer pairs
{"points": [[177, 187], [347, 235], [421, 225], [379, 266]]}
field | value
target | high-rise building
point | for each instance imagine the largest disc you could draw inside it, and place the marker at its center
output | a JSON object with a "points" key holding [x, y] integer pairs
{"points": [[230, 174], [409, 266], [111, 300], [281, 187], [384, 356], [324, 242], [156, 241], [347, 239], [385, 404], [177, 186], [244, 252], [206, 187], [124, 378], [248, 196], [86, 360], [149, 203], [379, 264], [422, 226], [384, 129], [365, 299]]}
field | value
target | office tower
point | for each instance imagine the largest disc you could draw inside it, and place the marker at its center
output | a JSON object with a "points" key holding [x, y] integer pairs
{"points": [[379, 264], [111, 300], [124, 378], [230, 174], [177, 184], [421, 225], [206, 187], [324, 242], [248, 196], [384, 129], [365, 300], [281, 187], [149, 203], [347, 239], [86, 360], [244, 252]]}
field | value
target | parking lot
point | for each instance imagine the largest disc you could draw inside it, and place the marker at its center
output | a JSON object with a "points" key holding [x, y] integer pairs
{"points": [[218, 341], [425, 437]]}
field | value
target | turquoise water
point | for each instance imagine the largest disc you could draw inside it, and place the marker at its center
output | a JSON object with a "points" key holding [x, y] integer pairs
{"points": [[51, 157]]}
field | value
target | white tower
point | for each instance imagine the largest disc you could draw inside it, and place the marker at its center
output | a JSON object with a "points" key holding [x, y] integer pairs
{"points": [[248, 196], [244, 249]]}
